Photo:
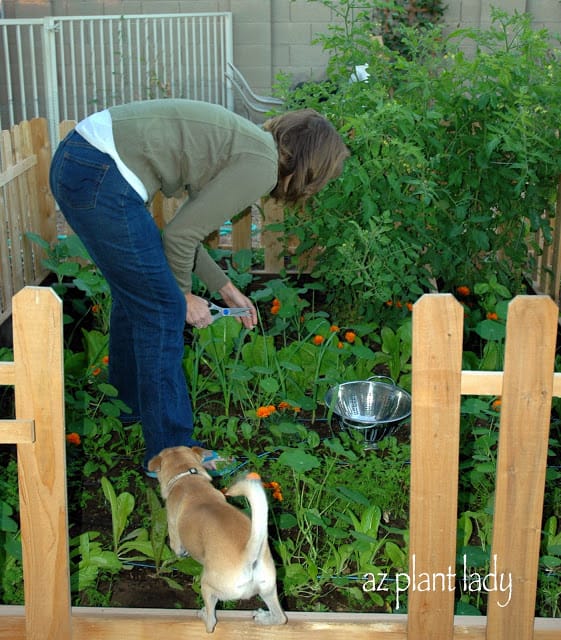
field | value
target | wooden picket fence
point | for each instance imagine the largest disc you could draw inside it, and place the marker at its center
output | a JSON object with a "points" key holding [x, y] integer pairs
{"points": [[526, 387], [25, 205]]}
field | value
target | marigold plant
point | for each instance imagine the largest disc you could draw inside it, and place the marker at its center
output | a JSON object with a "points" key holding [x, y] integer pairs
{"points": [[73, 438], [265, 412]]}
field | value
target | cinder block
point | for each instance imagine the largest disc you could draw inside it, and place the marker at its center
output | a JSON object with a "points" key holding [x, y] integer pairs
{"points": [[507, 5], [247, 54], [452, 14], [280, 11], [286, 33], [251, 10], [301, 11], [304, 74], [313, 56], [280, 58], [163, 6], [547, 12], [252, 33], [470, 12]]}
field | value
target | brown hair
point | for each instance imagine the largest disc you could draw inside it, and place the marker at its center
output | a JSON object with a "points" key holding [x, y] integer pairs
{"points": [[311, 152]]}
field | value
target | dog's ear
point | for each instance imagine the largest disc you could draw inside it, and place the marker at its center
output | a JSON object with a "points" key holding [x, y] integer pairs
{"points": [[199, 451], [155, 464]]}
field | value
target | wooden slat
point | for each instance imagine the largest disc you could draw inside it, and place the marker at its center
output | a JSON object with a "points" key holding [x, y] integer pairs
{"points": [[17, 169], [25, 198], [44, 212], [521, 465], [555, 289], [13, 216], [272, 240], [241, 231], [17, 431], [141, 624], [7, 373], [490, 383], [435, 429], [39, 395], [65, 127]]}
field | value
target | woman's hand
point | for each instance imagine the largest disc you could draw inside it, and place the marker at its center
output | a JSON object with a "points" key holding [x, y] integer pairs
{"points": [[198, 312], [233, 297]]}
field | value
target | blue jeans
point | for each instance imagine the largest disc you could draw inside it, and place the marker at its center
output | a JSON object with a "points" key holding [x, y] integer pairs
{"points": [[148, 308]]}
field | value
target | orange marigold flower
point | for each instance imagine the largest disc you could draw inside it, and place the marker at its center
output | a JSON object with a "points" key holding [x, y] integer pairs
{"points": [[463, 291], [275, 486], [497, 404], [73, 438], [284, 405], [95, 308], [318, 339], [491, 315], [265, 412], [333, 328], [105, 359], [96, 371], [409, 306], [340, 345], [399, 304], [275, 307], [350, 336], [389, 303]]}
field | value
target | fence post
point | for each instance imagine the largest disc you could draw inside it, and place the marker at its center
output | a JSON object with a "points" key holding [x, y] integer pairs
{"points": [[39, 396], [435, 432], [521, 465]]}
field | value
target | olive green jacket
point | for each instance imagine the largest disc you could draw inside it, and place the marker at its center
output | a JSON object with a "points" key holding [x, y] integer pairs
{"points": [[224, 161]]}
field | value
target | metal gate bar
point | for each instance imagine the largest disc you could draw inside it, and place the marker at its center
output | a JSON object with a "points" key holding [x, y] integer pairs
{"points": [[64, 68]]}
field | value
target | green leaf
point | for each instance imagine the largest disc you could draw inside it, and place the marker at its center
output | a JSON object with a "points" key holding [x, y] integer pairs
{"points": [[491, 330], [108, 389], [353, 495], [6, 522], [269, 385], [287, 521], [298, 460]]}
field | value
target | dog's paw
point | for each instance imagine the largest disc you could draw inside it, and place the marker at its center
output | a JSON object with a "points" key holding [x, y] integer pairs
{"points": [[209, 620], [264, 617]]}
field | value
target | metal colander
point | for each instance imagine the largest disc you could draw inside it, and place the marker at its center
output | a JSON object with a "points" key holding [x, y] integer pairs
{"points": [[374, 407]]}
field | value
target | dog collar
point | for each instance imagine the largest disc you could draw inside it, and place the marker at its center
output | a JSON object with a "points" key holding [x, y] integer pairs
{"points": [[190, 472]]}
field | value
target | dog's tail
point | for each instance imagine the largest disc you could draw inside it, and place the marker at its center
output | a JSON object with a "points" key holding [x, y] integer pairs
{"points": [[252, 488]]}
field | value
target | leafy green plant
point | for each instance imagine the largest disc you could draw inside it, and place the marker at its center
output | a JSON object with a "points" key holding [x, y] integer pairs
{"points": [[69, 260], [454, 161], [89, 564]]}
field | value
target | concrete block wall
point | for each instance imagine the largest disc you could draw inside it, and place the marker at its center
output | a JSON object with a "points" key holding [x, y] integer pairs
{"points": [[274, 36]]}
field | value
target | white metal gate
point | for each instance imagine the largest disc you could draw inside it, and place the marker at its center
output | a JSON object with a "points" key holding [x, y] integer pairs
{"points": [[64, 68]]}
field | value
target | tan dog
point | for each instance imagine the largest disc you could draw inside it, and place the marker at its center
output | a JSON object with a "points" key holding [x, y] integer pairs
{"points": [[236, 559]]}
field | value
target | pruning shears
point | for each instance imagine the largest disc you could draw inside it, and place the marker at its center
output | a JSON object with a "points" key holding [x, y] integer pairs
{"points": [[222, 312]]}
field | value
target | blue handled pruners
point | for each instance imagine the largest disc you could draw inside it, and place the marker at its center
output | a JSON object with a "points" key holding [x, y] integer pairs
{"points": [[221, 312]]}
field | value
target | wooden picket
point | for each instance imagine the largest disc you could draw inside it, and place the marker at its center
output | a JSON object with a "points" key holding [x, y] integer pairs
{"points": [[39, 432], [526, 387], [25, 205]]}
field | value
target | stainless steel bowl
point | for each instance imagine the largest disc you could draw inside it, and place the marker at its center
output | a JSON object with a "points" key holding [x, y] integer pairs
{"points": [[366, 403]]}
